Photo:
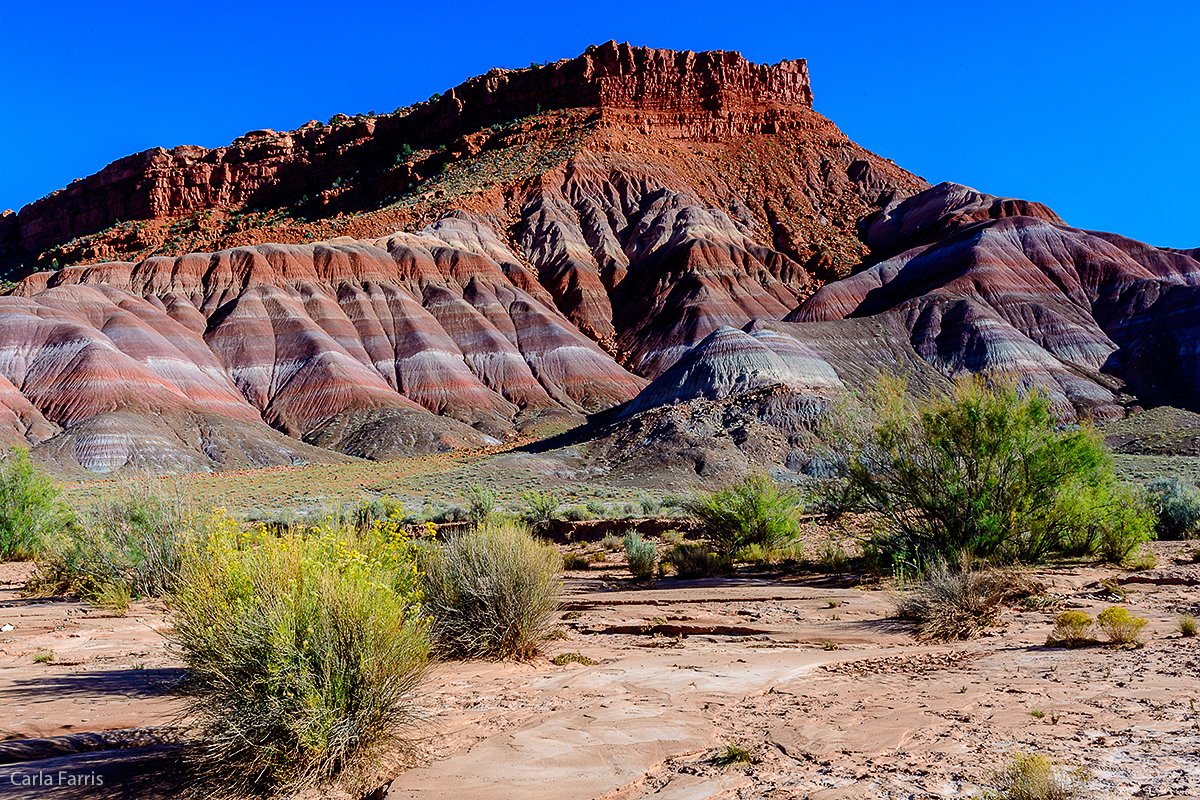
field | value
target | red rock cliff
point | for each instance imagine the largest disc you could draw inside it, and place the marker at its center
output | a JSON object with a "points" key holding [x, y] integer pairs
{"points": [[701, 95]]}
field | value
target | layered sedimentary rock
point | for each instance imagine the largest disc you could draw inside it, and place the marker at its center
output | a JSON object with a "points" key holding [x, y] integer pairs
{"points": [[713, 94], [1072, 312], [378, 349], [543, 244]]}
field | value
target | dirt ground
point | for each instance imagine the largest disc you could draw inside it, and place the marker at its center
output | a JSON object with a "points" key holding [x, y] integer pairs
{"points": [[829, 694]]}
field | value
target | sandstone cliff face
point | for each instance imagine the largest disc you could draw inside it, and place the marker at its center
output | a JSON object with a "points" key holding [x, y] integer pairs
{"points": [[715, 94]]}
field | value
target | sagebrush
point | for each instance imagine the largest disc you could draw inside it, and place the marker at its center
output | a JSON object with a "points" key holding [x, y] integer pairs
{"points": [[641, 555], [491, 592]]}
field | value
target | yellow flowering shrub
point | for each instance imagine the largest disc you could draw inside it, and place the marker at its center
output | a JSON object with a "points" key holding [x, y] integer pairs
{"points": [[300, 647]]}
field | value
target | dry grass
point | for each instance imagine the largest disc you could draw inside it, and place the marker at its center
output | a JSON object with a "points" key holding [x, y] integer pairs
{"points": [[956, 603], [491, 592]]}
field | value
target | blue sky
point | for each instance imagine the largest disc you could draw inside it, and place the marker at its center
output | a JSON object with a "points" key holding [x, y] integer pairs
{"points": [[1092, 108]]}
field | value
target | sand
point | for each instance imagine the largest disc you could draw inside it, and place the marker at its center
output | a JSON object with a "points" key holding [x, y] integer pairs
{"points": [[830, 695]]}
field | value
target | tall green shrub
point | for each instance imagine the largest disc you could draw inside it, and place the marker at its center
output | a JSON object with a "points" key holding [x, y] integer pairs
{"points": [[30, 508], [756, 510], [982, 470], [1177, 507]]}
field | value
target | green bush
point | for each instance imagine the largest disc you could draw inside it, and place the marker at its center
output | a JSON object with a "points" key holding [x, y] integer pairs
{"points": [[133, 548], [482, 504], [641, 555], [300, 651], [577, 514], [754, 511], [575, 561], [541, 509], [30, 509], [491, 592], [981, 470], [696, 560], [1124, 522], [1177, 508]]}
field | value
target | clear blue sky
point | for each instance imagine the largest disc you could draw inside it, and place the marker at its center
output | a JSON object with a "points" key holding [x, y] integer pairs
{"points": [[1090, 107]]}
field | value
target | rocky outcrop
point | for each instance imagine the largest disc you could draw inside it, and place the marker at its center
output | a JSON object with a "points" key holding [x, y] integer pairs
{"points": [[704, 94], [998, 287], [657, 229]]}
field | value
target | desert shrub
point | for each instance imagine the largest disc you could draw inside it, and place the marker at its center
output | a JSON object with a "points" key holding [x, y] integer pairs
{"points": [[1187, 625], [832, 557], [30, 508], [300, 650], [381, 508], [441, 514], [491, 592], [596, 507], [754, 554], [1177, 508], [1071, 628], [1125, 522], [672, 538], [541, 509], [754, 511], [981, 469], [482, 504], [697, 560], [577, 514], [641, 555], [1121, 627], [732, 754], [1034, 777], [611, 542], [649, 505], [131, 547], [959, 601], [573, 560]]}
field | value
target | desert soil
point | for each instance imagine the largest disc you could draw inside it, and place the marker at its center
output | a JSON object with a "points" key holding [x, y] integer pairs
{"points": [[830, 695]]}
